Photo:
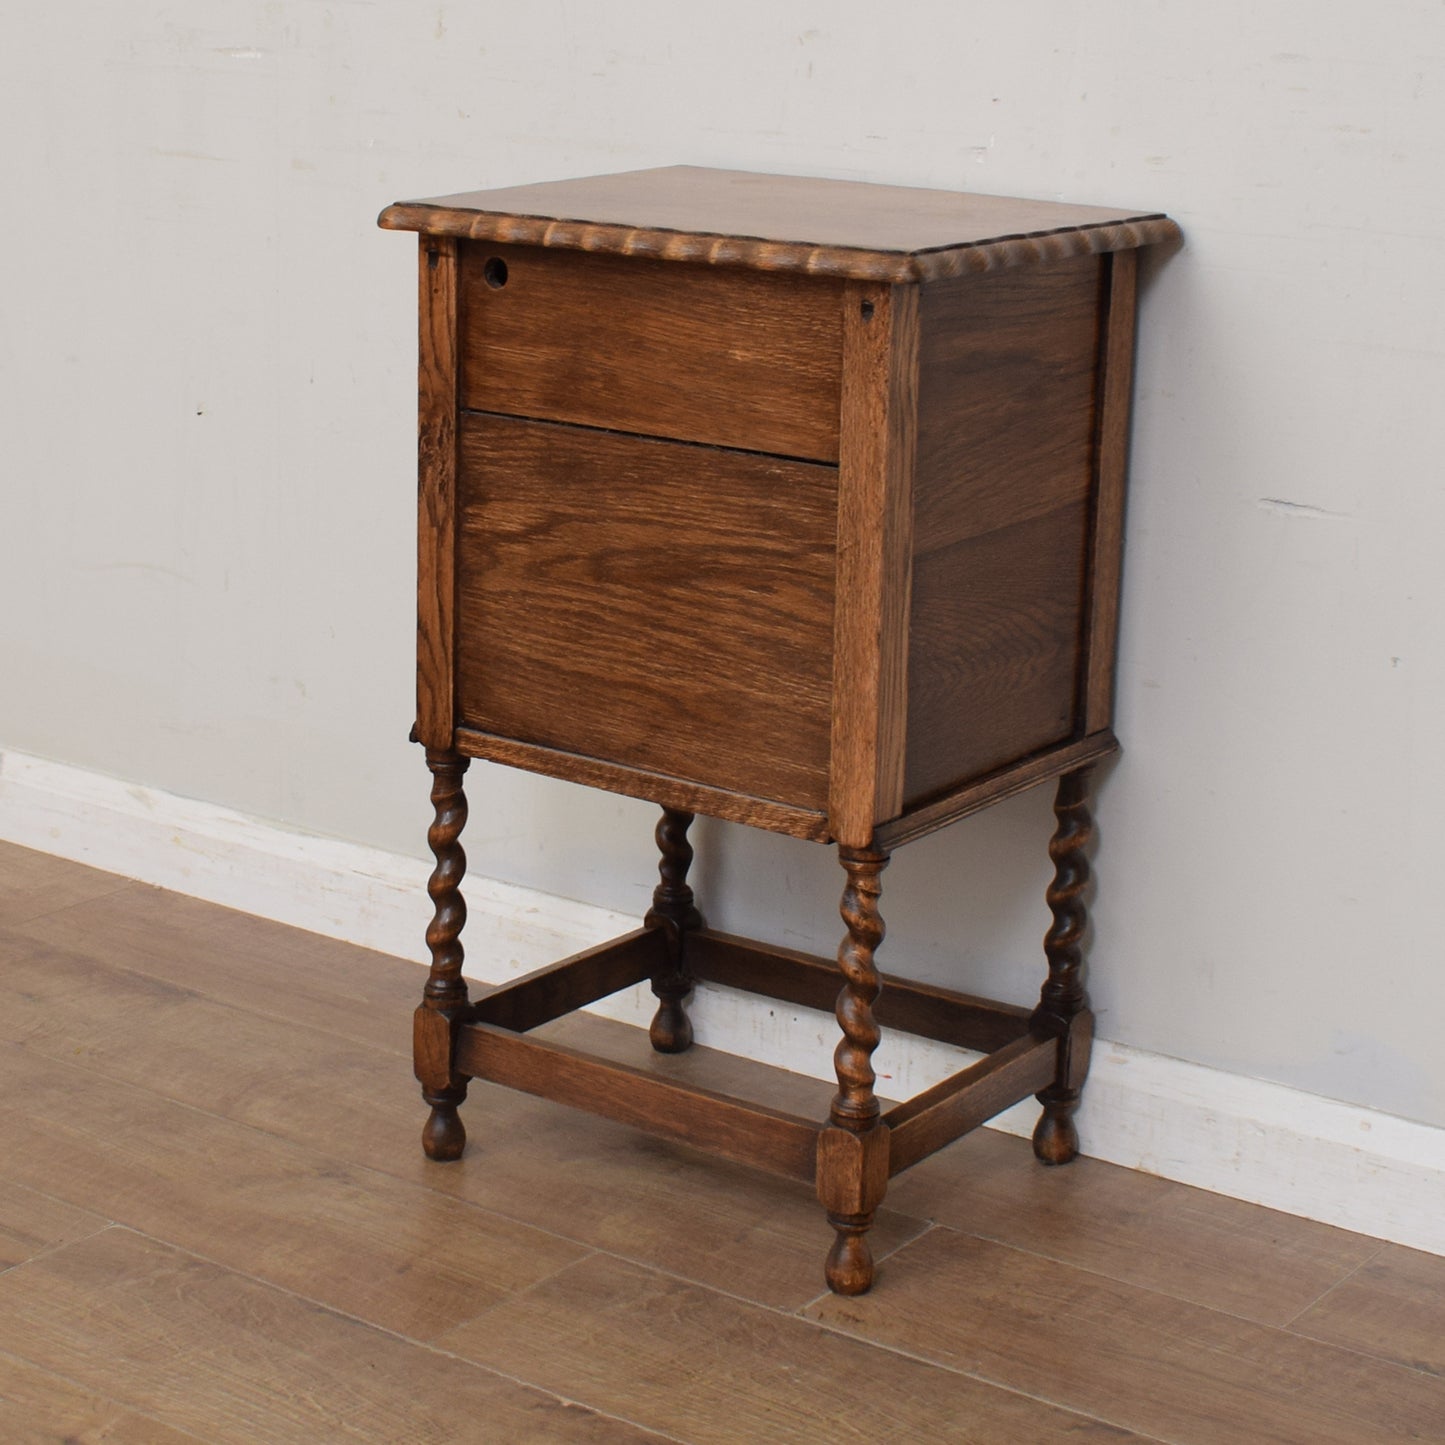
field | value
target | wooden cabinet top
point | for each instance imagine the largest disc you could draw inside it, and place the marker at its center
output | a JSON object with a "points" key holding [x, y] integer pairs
{"points": [[797, 502], [784, 223]]}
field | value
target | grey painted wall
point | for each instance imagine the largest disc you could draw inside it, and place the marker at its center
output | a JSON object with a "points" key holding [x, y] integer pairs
{"points": [[207, 352]]}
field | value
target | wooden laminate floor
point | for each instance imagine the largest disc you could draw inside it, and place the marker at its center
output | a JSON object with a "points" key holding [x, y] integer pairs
{"points": [[216, 1224]]}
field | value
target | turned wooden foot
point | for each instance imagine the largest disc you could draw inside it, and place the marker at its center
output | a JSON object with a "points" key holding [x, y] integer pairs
{"points": [[852, 1166], [443, 1136], [1063, 1010], [674, 915], [1056, 1140], [849, 1268], [670, 1030], [444, 999]]}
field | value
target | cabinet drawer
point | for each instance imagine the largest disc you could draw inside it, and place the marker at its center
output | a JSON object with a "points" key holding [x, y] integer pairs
{"points": [[653, 604], [670, 349]]}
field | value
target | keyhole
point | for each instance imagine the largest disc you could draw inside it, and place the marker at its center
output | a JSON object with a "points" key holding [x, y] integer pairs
{"points": [[494, 272], [867, 309]]}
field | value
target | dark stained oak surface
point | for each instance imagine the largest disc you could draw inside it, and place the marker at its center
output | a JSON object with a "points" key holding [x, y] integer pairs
{"points": [[1005, 466], [436, 490], [797, 501], [647, 603], [748, 359], [994, 643], [842, 228], [1006, 395], [875, 523]]}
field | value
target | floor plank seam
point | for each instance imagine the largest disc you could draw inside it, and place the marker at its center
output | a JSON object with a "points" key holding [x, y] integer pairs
{"points": [[519, 1294], [1129, 1283], [1267, 1361], [817, 1299], [29, 919], [1076, 1411], [96, 1393], [429, 1345], [798, 1318], [1294, 1319], [402, 1051], [45, 1251], [312, 1154], [316, 1152], [826, 1328]]}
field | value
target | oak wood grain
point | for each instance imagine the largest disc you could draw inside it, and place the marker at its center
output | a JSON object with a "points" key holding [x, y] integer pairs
{"points": [[1140, 1359], [784, 223], [206, 1350], [650, 604], [1006, 422], [875, 524], [347, 1237], [995, 649], [620, 1339], [741, 359], [734, 1128], [1111, 461], [938, 1116], [436, 489], [1392, 1307], [1005, 782], [1006, 396], [670, 792]]}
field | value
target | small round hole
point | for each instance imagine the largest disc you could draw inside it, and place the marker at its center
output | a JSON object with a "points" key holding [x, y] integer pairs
{"points": [[867, 309], [494, 272]]}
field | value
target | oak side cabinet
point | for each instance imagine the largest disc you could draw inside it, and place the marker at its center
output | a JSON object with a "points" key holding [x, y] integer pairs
{"points": [[794, 502]]}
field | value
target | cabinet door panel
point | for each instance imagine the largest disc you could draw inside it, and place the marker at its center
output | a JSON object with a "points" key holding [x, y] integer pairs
{"points": [[647, 603]]}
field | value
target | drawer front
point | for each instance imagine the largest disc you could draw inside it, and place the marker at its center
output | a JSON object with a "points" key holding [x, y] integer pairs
{"points": [[657, 605], [669, 349]]}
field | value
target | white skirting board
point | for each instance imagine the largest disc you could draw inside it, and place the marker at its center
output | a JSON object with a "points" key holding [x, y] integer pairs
{"points": [[1262, 1142]]}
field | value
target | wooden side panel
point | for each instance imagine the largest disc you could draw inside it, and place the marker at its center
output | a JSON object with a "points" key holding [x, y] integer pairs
{"points": [[730, 357], [652, 604], [436, 490], [875, 519], [1006, 431], [995, 638], [1111, 467]]}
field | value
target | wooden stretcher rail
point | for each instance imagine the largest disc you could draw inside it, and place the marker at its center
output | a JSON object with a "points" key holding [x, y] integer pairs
{"points": [[560, 988], [749, 1133], [807, 982], [962, 1102]]}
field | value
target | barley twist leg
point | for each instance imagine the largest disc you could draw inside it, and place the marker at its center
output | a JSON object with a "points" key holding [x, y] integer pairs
{"points": [[853, 1149], [444, 999], [675, 915], [1063, 1009]]}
